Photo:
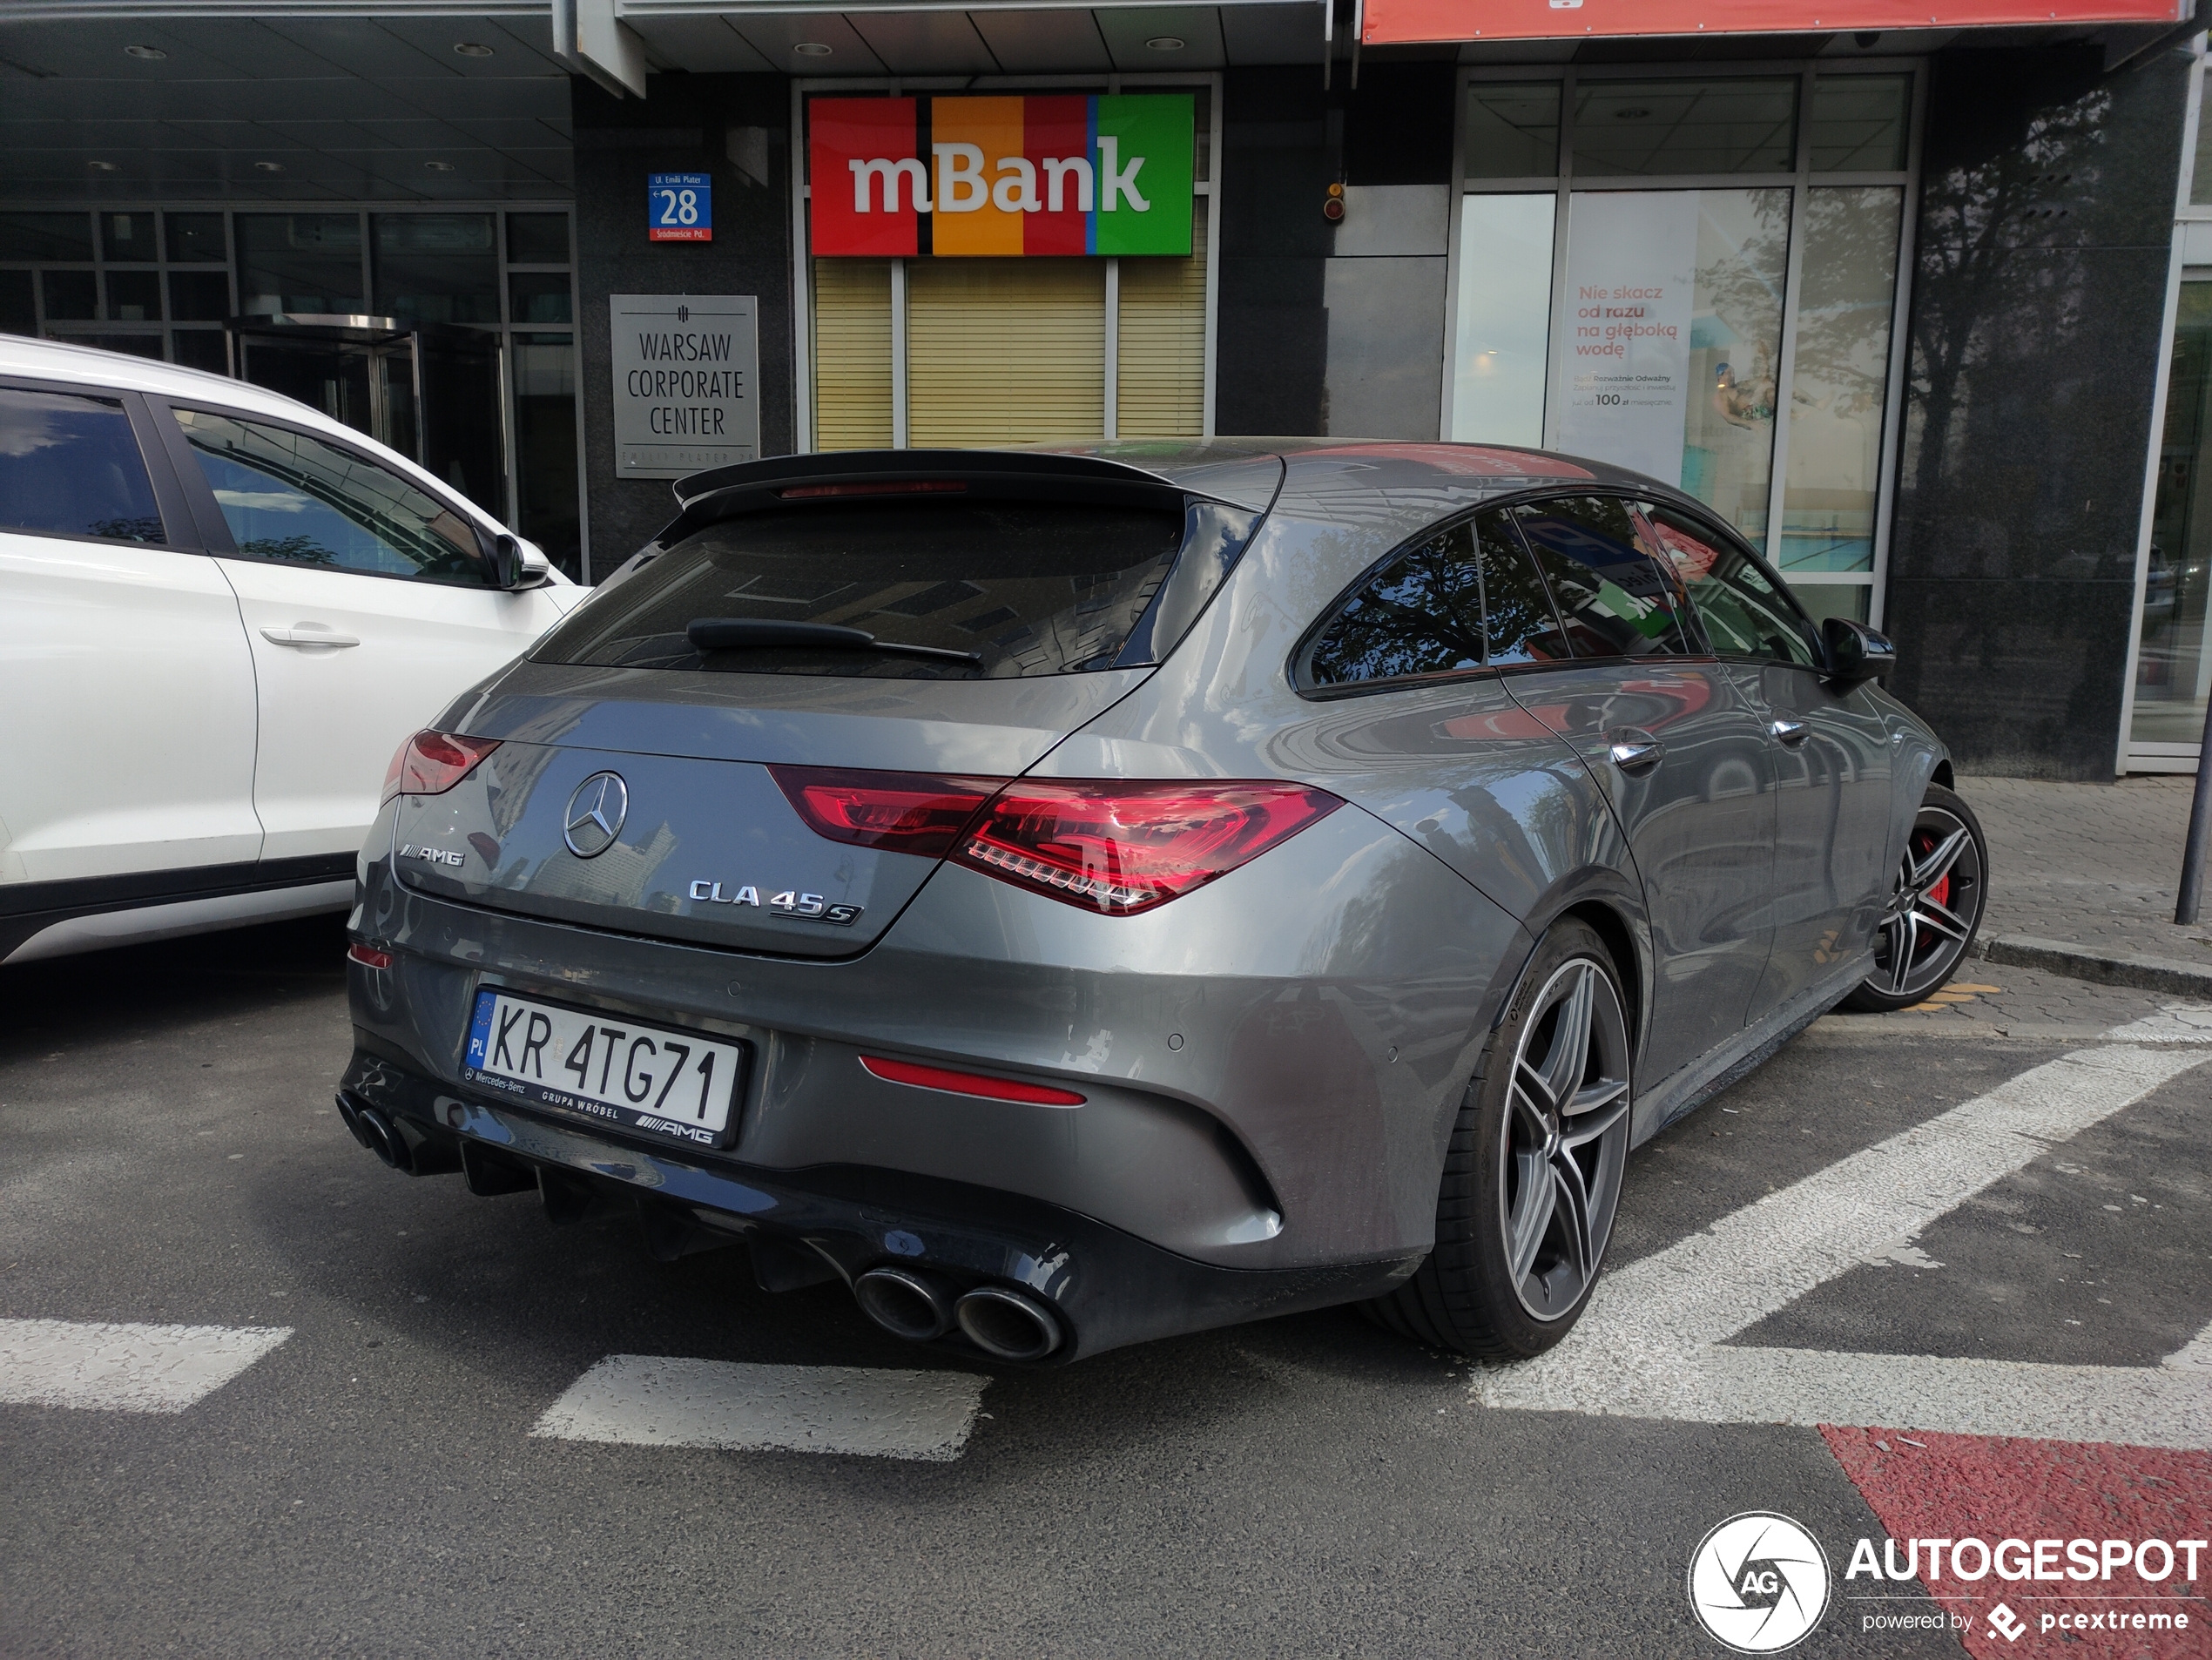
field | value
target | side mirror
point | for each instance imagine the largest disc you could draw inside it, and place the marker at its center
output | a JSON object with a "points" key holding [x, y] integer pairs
{"points": [[516, 564], [1856, 652]]}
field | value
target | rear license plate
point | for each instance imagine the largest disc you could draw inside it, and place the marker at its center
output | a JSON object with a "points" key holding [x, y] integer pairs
{"points": [[683, 1085]]}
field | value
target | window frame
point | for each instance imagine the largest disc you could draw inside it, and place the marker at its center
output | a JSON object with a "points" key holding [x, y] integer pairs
{"points": [[169, 500], [1563, 181], [216, 528]]}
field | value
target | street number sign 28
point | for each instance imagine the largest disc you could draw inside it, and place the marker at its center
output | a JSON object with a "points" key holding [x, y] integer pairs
{"points": [[679, 207]]}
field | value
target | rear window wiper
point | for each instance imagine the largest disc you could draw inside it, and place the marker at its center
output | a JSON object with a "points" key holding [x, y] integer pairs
{"points": [[761, 633]]}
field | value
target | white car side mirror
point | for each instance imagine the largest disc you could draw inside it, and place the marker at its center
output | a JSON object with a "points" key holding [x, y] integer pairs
{"points": [[517, 562]]}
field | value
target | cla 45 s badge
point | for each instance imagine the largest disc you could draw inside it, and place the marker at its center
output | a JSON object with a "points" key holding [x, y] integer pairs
{"points": [[800, 908]]}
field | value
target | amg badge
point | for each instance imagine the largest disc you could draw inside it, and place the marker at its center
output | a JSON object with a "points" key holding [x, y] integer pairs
{"points": [[800, 908]]}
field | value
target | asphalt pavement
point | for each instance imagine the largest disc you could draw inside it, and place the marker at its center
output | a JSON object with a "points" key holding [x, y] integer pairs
{"points": [[370, 1481]]}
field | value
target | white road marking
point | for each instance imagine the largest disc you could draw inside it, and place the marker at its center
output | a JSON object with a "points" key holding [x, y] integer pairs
{"points": [[2195, 1355], [1649, 1345], [659, 1400], [125, 1367], [2176, 1024]]}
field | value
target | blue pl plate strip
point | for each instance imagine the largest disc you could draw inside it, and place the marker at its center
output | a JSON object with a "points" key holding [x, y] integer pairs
{"points": [[480, 1030]]}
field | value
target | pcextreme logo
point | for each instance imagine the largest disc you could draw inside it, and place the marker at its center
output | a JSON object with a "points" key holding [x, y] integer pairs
{"points": [[1758, 1582], [910, 177]]}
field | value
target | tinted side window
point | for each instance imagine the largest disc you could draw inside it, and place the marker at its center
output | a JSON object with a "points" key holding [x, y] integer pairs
{"points": [[1522, 626], [70, 466], [1420, 614], [1746, 614], [1611, 594], [298, 500]]}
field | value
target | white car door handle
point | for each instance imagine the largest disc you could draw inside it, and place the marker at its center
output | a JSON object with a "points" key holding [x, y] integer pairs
{"points": [[307, 634]]}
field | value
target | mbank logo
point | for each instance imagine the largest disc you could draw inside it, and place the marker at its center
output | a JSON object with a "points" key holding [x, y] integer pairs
{"points": [[1758, 1582]]}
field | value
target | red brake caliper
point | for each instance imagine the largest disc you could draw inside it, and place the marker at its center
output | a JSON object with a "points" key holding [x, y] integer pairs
{"points": [[1941, 892]]}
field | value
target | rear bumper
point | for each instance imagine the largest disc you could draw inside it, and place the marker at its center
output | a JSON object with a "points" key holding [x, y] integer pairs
{"points": [[1106, 1287]]}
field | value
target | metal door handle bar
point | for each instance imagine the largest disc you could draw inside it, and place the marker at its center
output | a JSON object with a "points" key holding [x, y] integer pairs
{"points": [[1634, 754], [306, 637], [1791, 733]]}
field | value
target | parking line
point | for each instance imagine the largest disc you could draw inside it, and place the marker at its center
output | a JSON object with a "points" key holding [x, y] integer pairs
{"points": [[125, 1367], [661, 1400], [1648, 1344]]}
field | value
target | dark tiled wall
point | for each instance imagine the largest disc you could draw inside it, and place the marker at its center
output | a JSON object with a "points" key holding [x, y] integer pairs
{"points": [[683, 125], [2039, 289], [1284, 139]]}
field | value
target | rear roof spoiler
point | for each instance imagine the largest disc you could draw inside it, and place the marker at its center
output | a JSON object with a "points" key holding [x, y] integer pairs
{"points": [[791, 481]]}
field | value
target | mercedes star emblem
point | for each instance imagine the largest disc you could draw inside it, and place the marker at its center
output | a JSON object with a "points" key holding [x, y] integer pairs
{"points": [[595, 812]]}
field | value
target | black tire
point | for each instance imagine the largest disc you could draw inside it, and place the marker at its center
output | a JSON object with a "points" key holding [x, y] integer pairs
{"points": [[1466, 1296], [1932, 916]]}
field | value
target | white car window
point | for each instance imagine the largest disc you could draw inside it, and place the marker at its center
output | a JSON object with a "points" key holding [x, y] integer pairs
{"points": [[297, 500], [70, 466]]}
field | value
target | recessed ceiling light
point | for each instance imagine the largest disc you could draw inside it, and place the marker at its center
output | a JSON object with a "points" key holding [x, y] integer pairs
{"points": [[152, 54], [269, 166], [439, 166], [103, 166], [472, 48], [1165, 44], [812, 48]]}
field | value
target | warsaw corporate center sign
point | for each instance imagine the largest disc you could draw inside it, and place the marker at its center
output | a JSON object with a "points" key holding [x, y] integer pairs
{"points": [[686, 372], [914, 177]]}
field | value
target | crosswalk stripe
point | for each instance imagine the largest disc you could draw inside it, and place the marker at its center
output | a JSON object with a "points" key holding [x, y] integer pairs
{"points": [[124, 1368], [665, 1401], [1649, 1344]]}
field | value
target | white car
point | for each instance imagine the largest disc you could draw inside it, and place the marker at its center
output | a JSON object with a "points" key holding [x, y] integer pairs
{"points": [[222, 612]]}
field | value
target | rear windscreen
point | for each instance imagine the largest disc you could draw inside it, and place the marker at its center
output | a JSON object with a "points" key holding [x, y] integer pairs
{"points": [[1015, 588]]}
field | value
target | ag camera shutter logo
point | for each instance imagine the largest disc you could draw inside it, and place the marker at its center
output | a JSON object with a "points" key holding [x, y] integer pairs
{"points": [[1758, 1582]]}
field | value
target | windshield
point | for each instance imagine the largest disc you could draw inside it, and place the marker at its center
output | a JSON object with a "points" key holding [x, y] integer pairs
{"points": [[1013, 588]]}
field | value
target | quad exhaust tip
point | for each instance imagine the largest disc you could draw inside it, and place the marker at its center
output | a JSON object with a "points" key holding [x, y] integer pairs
{"points": [[904, 1303], [1007, 1324], [377, 1133]]}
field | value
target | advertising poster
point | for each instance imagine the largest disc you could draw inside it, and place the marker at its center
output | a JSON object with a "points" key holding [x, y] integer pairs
{"points": [[1624, 334]]}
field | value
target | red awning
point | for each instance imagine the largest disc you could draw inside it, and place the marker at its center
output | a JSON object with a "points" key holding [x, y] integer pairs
{"points": [[1391, 23]]}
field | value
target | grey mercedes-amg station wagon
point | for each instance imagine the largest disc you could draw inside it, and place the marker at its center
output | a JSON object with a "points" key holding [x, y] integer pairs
{"points": [[1076, 896]]}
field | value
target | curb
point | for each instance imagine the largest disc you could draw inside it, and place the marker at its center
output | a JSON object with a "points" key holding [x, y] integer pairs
{"points": [[2103, 967]]}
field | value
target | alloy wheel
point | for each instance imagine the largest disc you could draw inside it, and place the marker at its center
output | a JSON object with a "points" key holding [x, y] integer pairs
{"points": [[1933, 908], [1566, 1135]]}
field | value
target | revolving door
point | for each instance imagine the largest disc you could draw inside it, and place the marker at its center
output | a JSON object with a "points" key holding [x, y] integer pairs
{"points": [[431, 392]]}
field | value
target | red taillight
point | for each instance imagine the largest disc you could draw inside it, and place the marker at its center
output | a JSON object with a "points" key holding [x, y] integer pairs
{"points": [[991, 1089], [1121, 848], [915, 813], [430, 763], [369, 956]]}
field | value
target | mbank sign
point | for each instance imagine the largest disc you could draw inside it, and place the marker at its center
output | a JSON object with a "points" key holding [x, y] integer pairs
{"points": [[978, 176]]}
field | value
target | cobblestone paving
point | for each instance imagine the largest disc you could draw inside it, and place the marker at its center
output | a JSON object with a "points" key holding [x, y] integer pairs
{"points": [[2094, 864]]}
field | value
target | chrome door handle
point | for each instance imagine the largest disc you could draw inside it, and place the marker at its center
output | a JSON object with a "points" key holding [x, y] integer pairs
{"points": [[1791, 733], [1635, 754], [306, 637]]}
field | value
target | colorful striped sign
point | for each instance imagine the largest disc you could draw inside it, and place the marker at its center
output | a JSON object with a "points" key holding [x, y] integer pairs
{"points": [[1003, 176]]}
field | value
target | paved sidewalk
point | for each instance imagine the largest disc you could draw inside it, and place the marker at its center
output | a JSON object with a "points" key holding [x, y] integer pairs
{"points": [[2094, 866]]}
